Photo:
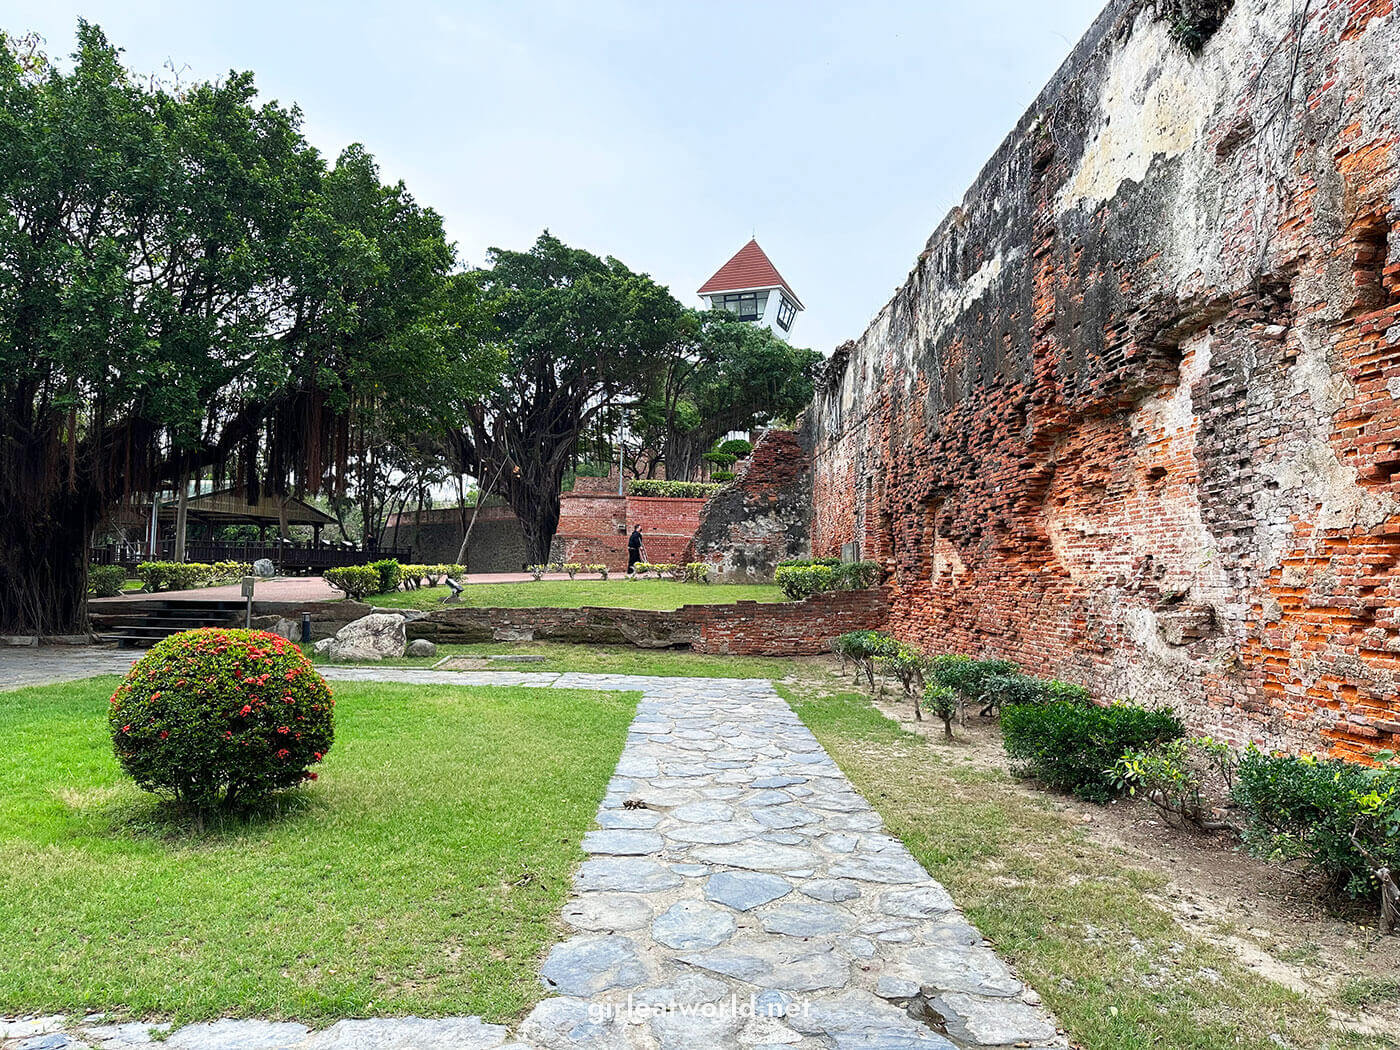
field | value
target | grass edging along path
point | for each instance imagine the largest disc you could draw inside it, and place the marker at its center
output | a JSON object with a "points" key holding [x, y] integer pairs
{"points": [[1078, 924], [422, 873], [575, 594]]}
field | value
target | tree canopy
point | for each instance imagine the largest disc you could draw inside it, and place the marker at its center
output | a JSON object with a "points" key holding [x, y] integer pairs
{"points": [[185, 284]]}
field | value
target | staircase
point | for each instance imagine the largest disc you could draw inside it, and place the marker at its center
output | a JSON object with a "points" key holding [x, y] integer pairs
{"points": [[139, 625]]}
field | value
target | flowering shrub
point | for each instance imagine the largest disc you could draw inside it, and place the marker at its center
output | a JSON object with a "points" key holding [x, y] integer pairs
{"points": [[573, 568], [356, 582], [599, 568], [697, 572], [216, 717], [537, 571]]}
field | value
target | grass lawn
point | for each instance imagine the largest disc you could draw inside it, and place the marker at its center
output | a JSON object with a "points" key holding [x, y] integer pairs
{"points": [[605, 659], [572, 594], [422, 873], [1075, 921]]}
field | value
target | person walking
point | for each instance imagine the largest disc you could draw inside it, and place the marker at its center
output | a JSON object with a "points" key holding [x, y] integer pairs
{"points": [[634, 549]]}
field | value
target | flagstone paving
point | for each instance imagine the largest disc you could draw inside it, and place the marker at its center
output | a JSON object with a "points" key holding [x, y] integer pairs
{"points": [[738, 891]]}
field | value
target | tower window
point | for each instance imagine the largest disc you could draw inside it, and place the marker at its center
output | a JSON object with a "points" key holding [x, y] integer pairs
{"points": [[787, 310], [747, 306]]}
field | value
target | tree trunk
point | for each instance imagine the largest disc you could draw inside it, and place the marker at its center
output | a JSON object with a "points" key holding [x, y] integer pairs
{"points": [[43, 571], [539, 520]]}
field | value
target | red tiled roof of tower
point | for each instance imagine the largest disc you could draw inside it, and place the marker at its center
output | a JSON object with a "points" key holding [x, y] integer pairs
{"points": [[750, 268]]}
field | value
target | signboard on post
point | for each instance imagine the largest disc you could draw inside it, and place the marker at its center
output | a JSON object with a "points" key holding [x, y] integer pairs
{"points": [[249, 582]]}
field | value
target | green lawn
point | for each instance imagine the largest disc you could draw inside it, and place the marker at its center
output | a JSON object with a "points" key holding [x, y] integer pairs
{"points": [[422, 873], [604, 659], [1078, 924], [572, 594]]}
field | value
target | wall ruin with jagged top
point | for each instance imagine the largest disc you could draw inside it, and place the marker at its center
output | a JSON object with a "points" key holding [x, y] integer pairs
{"points": [[1132, 418]]}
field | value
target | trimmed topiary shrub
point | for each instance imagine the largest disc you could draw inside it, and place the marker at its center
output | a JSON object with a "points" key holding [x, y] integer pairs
{"points": [[105, 581], [1072, 747], [214, 718], [855, 576], [679, 489], [970, 677], [390, 574], [697, 572], [356, 582]]}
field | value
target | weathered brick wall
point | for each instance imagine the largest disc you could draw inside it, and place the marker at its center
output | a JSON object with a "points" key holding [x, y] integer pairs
{"points": [[1132, 418], [761, 518], [744, 628], [668, 524], [593, 525]]}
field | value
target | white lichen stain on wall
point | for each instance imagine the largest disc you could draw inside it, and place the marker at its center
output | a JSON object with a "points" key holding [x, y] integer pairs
{"points": [[1154, 102]]}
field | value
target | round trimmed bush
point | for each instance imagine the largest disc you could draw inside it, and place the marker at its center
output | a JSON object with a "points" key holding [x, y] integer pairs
{"points": [[215, 718]]}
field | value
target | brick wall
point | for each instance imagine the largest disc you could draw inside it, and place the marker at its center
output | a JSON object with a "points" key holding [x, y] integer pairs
{"points": [[594, 522], [744, 628], [1132, 418]]}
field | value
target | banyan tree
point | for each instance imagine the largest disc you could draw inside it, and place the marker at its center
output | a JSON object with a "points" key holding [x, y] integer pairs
{"points": [[186, 286]]}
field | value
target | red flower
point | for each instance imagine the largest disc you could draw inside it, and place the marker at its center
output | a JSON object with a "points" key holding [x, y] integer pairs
{"points": [[311, 776], [164, 733], [283, 729], [126, 728], [247, 710], [283, 753], [155, 695]]}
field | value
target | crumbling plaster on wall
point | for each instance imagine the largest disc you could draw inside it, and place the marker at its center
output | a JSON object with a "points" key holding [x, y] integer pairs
{"points": [[1140, 385]]}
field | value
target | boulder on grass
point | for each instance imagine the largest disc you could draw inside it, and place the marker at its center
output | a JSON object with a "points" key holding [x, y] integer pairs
{"points": [[263, 567], [374, 637], [421, 647]]}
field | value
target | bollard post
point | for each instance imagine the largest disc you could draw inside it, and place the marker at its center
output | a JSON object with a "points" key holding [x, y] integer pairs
{"points": [[305, 628]]}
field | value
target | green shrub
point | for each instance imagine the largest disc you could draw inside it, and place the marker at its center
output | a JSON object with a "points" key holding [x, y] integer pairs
{"points": [[105, 581], [943, 702], [907, 664], [722, 476], [412, 577], [537, 571], [174, 575], [723, 460], [803, 581], [678, 489], [1004, 690], [1178, 778], [737, 447], [356, 582], [855, 576], [1072, 747], [970, 677], [213, 718], [1341, 818], [573, 568], [1055, 691], [792, 563], [697, 572], [230, 571], [599, 568], [864, 649], [390, 572]]}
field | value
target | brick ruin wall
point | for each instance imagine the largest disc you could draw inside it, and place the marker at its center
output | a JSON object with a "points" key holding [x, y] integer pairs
{"points": [[1132, 418], [762, 517]]}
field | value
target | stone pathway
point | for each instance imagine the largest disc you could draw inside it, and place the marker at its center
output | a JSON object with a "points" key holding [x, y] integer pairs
{"points": [[738, 893]]}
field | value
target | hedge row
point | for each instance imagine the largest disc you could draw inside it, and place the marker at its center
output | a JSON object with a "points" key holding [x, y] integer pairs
{"points": [[803, 581], [678, 489], [1340, 818], [186, 575]]}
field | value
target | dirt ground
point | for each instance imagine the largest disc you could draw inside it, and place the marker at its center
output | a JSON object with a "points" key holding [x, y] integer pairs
{"points": [[1271, 919]]}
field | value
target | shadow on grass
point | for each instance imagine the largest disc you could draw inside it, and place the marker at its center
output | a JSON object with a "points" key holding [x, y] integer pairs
{"points": [[163, 820]]}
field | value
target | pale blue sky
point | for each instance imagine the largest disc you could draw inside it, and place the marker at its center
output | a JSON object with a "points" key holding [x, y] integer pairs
{"points": [[663, 133]]}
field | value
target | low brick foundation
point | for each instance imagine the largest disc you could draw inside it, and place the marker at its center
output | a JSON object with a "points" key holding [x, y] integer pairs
{"points": [[744, 628]]}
